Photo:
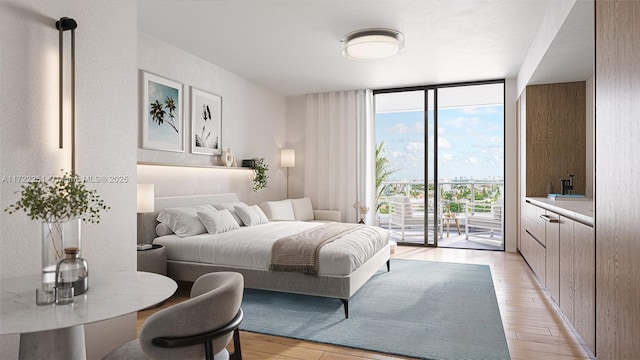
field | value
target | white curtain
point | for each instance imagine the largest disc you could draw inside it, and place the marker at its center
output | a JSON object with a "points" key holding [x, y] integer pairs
{"points": [[339, 155]]}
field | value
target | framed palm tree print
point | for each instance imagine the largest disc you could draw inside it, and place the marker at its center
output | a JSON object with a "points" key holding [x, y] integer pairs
{"points": [[206, 122], [162, 122]]}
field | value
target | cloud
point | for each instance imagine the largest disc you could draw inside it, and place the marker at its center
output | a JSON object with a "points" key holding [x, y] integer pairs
{"points": [[443, 143], [445, 156], [472, 160], [462, 121], [398, 128]]}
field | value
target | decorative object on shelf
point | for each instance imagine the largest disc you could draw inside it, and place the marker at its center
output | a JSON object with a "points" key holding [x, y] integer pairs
{"points": [[145, 201], [206, 122], [72, 271], [162, 124], [249, 163], [227, 157], [372, 44], [260, 176], [361, 210], [287, 160], [60, 203]]}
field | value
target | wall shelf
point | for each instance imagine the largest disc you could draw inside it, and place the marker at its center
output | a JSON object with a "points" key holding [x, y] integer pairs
{"points": [[195, 166]]}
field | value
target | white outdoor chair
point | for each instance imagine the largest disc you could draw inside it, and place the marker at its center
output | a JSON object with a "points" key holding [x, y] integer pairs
{"points": [[490, 221], [402, 215]]}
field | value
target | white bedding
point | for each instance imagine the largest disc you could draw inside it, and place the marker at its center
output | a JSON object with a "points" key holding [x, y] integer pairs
{"points": [[250, 247]]}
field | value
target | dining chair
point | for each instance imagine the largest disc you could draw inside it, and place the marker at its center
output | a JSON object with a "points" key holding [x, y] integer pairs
{"points": [[200, 327]]}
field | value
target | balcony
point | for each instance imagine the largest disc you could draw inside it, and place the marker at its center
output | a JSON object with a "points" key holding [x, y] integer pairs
{"points": [[469, 213]]}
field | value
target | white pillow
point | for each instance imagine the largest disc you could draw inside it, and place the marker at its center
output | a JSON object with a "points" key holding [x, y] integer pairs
{"points": [[218, 222], [184, 221], [279, 210], [251, 215], [162, 229], [231, 207], [302, 209]]}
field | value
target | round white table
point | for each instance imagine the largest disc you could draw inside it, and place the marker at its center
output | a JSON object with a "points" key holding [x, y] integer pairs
{"points": [[57, 331]]}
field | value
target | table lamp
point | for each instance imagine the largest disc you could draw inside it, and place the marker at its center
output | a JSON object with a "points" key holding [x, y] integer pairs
{"points": [[145, 204]]}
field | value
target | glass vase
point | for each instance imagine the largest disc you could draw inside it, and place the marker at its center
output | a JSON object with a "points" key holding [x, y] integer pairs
{"points": [[73, 271], [55, 237]]}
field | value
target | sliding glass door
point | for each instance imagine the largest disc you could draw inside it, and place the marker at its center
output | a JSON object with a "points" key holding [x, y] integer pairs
{"points": [[441, 151]]}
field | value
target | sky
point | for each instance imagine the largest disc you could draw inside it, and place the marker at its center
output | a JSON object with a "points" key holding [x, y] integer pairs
{"points": [[470, 142]]}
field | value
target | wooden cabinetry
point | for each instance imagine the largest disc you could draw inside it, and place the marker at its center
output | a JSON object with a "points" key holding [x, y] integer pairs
{"points": [[567, 293], [532, 241], [554, 121], [564, 262], [552, 254], [617, 207], [584, 274]]}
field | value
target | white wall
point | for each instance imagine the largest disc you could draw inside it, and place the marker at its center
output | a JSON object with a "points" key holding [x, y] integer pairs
{"points": [[296, 127], [106, 113], [253, 125], [511, 213], [556, 14]]}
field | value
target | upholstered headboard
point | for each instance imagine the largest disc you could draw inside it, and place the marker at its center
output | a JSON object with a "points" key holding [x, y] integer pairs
{"points": [[150, 222]]}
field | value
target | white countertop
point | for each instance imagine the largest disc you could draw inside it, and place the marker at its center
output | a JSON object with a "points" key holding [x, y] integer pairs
{"points": [[579, 210], [110, 294]]}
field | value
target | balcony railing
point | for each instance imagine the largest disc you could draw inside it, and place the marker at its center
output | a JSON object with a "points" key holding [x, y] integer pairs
{"points": [[466, 197]]}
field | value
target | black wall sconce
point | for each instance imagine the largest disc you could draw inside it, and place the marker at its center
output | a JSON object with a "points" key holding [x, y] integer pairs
{"points": [[63, 25]]}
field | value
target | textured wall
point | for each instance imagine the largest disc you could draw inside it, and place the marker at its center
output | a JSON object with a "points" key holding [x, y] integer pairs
{"points": [[106, 110], [253, 125]]}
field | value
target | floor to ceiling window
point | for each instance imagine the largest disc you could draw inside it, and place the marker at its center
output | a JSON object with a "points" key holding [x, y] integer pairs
{"points": [[440, 164]]}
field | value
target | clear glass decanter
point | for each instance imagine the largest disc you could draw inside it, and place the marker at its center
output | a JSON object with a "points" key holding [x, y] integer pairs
{"points": [[73, 270]]}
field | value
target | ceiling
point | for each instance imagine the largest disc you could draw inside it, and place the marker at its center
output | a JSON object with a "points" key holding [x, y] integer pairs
{"points": [[293, 46]]}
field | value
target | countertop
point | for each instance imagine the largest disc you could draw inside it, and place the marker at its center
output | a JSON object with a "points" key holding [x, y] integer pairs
{"points": [[578, 210]]}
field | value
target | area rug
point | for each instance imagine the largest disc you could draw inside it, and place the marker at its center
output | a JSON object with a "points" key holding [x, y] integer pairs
{"points": [[421, 309]]}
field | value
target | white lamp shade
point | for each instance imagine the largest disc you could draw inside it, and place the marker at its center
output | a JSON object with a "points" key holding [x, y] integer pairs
{"points": [[372, 44], [146, 198], [287, 158]]}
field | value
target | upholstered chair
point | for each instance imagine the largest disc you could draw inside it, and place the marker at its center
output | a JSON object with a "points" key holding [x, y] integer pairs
{"points": [[197, 328]]}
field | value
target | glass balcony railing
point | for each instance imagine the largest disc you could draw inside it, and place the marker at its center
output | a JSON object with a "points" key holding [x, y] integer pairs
{"points": [[457, 197]]}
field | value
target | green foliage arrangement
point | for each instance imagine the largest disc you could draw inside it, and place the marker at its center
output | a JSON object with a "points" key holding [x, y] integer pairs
{"points": [[383, 172], [260, 174], [59, 199]]}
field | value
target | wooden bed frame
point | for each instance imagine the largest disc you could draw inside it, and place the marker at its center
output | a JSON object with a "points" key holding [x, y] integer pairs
{"points": [[339, 287]]}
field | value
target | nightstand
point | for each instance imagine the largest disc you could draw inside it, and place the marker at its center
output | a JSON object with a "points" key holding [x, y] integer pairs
{"points": [[153, 260]]}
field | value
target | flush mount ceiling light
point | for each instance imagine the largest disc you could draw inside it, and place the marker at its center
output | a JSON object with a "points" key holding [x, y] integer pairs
{"points": [[372, 44]]}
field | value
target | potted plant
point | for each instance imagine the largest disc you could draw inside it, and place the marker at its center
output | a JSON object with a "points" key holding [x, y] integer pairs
{"points": [[60, 202], [260, 176]]}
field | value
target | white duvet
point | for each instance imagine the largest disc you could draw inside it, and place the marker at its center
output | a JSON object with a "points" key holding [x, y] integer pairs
{"points": [[250, 247]]}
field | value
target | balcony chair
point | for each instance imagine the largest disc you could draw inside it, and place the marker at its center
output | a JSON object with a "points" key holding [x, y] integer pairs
{"points": [[402, 215], [198, 328], [491, 221]]}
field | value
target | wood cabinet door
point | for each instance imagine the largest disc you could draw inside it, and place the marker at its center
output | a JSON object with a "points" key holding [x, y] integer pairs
{"points": [[567, 294], [585, 284], [552, 242]]}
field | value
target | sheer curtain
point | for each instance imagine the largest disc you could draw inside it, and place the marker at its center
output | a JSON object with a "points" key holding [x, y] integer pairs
{"points": [[340, 152]]}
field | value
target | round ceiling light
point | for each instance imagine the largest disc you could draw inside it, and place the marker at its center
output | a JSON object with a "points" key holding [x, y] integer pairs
{"points": [[372, 44]]}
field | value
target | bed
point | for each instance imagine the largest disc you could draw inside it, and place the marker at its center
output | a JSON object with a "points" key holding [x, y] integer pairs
{"points": [[344, 265]]}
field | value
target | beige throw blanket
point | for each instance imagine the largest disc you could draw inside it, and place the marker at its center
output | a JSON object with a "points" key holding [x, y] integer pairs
{"points": [[299, 252]]}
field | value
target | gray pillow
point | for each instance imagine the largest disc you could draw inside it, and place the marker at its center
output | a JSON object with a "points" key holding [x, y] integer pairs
{"points": [[218, 222], [251, 215]]}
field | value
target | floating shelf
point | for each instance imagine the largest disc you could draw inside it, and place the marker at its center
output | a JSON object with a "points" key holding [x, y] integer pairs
{"points": [[195, 166]]}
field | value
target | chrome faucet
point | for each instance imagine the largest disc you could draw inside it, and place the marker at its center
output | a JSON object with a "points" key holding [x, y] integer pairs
{"points": [[566, 186]]}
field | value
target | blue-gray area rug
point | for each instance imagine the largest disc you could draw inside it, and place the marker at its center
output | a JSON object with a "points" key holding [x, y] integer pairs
{"points": [[421, 309]]}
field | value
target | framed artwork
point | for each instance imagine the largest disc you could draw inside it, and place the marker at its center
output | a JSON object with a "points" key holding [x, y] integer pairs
{"points": [[206, 122], [162, 122]]}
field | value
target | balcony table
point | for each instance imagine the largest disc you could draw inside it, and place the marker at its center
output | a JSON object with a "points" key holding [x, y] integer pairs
{"points": [[57, 331]]}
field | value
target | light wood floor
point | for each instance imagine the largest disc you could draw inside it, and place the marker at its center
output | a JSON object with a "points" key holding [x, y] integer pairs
{"points": [[533, 327]]}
